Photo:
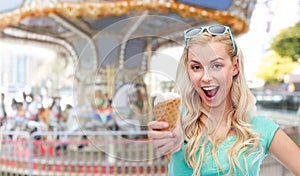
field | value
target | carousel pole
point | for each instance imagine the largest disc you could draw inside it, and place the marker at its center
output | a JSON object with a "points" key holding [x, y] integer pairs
{"points": [[149, 55], [110, 77]]}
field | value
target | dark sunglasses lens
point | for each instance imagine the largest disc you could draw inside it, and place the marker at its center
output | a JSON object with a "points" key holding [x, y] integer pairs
{"points": [[192, 32], [217, 29]]}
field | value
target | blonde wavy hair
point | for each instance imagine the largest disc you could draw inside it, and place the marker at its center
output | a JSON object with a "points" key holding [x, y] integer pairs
{"points": [[199, 127]]}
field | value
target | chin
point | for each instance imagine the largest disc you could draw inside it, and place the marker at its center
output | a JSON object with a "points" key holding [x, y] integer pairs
{"points": [[214, 103]]}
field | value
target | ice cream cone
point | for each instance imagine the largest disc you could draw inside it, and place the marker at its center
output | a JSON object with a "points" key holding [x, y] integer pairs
{"points": [[168, 111]]}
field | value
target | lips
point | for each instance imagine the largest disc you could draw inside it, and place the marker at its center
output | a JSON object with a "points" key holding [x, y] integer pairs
{"points": [[210, 91]]}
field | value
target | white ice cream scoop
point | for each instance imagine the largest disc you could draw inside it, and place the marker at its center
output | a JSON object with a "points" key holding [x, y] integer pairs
{"points": [[165, 96]]}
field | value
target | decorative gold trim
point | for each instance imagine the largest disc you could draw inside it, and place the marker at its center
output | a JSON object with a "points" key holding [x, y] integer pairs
{"points": [[118, 8]]}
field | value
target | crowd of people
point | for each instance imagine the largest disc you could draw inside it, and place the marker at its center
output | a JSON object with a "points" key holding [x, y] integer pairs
{"points": [[31, 112], [28, 113]]}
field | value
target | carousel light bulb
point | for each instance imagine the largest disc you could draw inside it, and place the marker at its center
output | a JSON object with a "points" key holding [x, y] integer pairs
{"points": [[204, 13], [181, 6], [125, 3], [168, 5], [192, 9]]}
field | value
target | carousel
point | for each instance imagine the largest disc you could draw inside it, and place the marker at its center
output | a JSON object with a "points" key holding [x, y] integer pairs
{"points": [[109, 45]]}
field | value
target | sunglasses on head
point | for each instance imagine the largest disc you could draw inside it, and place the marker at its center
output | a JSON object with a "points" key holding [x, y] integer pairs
{"points": [[214, 30]]}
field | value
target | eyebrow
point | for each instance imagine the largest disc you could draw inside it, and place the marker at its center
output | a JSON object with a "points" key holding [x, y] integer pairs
{"points": [[196, 61]]}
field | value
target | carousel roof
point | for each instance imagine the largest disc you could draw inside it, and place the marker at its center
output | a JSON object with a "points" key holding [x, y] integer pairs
{"points": [[115, 32]]}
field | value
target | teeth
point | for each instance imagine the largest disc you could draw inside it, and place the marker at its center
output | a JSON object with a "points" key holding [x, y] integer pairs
{"points": [[209, 88]]}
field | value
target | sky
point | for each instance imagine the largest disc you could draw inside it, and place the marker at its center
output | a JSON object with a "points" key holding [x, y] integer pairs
{"points": [[7, 5]]}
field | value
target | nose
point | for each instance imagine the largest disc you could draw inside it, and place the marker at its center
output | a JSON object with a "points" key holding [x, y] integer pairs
{"points": [[206, 76]]}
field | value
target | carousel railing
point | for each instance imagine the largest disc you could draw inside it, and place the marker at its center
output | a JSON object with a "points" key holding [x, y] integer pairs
{"points": [[79, 153], [89, 153]]}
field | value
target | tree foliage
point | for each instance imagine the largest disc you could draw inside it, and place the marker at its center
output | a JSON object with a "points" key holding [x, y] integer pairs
{"points": [[287, 42], [274, 67]]}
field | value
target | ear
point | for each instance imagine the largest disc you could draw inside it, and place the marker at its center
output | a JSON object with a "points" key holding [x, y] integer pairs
{"points": [[235, 66]]}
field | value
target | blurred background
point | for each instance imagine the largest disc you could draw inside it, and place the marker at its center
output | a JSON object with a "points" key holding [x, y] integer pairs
{"points": [[77, 77]]}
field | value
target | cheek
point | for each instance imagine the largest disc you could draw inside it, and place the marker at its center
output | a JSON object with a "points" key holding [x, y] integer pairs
{"points": [[194, 78], [227, 80], [194, 83]]}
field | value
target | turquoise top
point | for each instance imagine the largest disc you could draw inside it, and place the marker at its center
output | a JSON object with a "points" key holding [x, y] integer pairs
{"points": [[266, 127]]}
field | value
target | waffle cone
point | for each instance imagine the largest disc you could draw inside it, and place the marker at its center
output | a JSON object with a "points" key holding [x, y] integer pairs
{"points": [[168, 111]]}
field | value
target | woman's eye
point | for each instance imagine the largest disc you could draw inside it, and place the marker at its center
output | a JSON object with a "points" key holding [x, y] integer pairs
{"points": [[195, 67], [216, 66]]}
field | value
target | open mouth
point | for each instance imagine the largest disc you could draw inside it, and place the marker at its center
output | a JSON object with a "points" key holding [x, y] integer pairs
{"points": [[210, 91]]}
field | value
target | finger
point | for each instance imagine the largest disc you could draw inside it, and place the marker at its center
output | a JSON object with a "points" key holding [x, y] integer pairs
{"points": [[154, 135], [157, 125], [158, 143], [175, 133], [178, 146], [166, 147]]}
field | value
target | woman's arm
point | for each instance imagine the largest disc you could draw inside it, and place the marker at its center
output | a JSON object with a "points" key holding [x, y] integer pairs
{"points": [[284, 149]]}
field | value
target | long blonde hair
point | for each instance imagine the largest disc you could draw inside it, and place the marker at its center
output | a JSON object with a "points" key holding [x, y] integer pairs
{"points": [[198, 126]]}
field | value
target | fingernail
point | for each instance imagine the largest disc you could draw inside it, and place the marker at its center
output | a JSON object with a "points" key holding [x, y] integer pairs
{"points": [[165, 125], [150, 123]]}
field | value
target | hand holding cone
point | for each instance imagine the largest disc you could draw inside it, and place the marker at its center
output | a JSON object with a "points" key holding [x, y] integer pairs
{"points": [[168, 111]]}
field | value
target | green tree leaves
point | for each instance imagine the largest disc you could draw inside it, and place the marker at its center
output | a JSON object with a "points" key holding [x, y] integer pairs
{"points": [[274, 67], [287, 42], [282, 59]]}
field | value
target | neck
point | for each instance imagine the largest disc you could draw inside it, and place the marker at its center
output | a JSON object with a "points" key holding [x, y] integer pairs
{"points": [[220, 113]]}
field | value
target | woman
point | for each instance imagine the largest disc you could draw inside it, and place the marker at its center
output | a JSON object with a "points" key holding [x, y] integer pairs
{"points": [[218, 134]]}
